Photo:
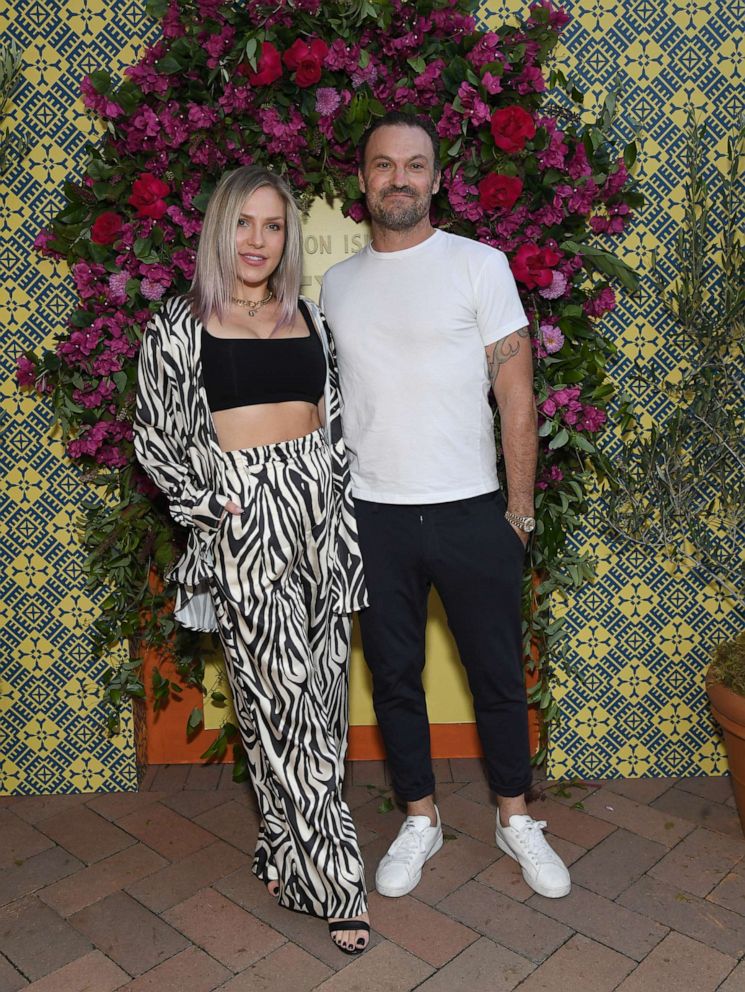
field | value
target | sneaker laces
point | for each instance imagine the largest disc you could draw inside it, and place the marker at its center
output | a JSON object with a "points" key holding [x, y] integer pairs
{"points": [[407, 845], [534, 843]]}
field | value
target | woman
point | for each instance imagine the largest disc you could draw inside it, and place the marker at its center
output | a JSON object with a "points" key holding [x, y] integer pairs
{"points": [[235, 381]]}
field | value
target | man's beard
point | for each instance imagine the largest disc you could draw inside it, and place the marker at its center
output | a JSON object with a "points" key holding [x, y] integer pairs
{"points": [[398, 215]]}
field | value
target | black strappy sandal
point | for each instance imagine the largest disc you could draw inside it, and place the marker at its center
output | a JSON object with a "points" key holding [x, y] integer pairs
{"points": [[349, 925]]}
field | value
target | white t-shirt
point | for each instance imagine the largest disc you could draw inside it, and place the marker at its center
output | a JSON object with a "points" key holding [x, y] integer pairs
{"points": [[410, 329]]}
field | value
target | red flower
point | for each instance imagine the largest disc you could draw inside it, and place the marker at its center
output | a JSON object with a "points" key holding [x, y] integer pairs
{"points": [[147, 196], [497, 191], [269, 66], [106, 228], [511, 127], [305, 59], [532, 265]]}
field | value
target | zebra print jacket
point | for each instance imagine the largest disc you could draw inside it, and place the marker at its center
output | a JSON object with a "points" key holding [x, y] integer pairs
{"points": [[176, 444]]}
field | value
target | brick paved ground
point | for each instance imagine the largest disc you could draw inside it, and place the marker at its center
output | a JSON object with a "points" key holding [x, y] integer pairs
{"points": [[151, 892]]}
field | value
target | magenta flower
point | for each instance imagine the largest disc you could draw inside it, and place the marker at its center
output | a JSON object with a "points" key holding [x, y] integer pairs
{"points": [[342, 57], [328, 100], [564, 401], [578, 165], [592, 419], [93, 396], [98, 102], [551, 476], [486, 50], [87, 279], [464, 199], [152, 290], [600, 304], [217, 45], [615, 181], [556, 288], [492, 84], [25, 372], [557, 18], [450, 125], [531, 80], [473, 106], [552, 338], [117, 292], [357, 211]]}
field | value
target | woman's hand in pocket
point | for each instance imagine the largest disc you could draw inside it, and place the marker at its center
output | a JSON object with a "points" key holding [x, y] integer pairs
{"points": [[232, 507]]}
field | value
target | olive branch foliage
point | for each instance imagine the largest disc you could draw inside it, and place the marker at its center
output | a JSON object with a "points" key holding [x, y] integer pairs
{"points": [[678, 488]]}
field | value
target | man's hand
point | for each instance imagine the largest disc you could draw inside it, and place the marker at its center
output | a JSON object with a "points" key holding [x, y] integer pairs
{"points": [[521, 534]]}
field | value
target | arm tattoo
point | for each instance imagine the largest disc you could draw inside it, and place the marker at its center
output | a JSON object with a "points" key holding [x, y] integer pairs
{"points": [[502, 352]]}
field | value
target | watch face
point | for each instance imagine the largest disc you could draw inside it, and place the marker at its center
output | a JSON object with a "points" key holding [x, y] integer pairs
{"points": [[528, 525]]}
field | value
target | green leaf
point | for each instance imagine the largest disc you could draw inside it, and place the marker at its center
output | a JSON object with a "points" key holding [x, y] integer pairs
{"points": [[240, 768], [251, 50], [100, 80], [142, 248], [581, 442], [121, 380], [201, 200], [545, 429], [385, 805], [195, 720], [629, 155], [156, 9], [560, 440], [169, 65]]}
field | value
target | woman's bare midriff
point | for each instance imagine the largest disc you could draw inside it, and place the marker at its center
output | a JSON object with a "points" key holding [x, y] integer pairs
{"points": [[264, 423]]}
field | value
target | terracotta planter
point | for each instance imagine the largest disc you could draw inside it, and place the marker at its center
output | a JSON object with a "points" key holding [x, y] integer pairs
{"points": [[728, 709]]}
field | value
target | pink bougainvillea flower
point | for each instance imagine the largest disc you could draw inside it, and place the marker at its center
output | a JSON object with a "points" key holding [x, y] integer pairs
{"points": [[600, 304], [511, 128], [592, 418], [491, 83], [551, 476], [25, 371]]}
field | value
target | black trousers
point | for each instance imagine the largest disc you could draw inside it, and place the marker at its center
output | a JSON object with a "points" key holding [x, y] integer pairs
{"points": [[474, 559]]}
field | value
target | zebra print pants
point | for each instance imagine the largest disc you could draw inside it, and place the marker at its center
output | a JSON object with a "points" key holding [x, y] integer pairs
{"points": [[287, 657]]}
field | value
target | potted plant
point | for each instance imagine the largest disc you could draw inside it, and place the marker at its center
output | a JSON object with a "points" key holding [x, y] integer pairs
{"points": [[725, 685]]}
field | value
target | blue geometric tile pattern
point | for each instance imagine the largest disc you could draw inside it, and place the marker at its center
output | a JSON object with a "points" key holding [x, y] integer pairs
{"points": [[52, 735]]}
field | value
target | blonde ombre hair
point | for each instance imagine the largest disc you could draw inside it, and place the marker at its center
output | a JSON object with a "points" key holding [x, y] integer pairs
{"points": [[216, 272]]}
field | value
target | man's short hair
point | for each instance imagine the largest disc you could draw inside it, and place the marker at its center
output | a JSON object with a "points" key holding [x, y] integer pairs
{"points": [[397, 118]]}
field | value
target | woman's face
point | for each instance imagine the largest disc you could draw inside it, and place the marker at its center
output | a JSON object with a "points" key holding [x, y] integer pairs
{"points": [[260, 236]]}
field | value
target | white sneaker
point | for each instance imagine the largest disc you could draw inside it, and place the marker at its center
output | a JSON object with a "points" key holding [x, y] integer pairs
{"points": [[542, 868], [400, 869]]}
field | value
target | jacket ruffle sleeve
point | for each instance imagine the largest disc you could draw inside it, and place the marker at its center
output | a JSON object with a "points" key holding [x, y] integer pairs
{"points": [[161, 437]]}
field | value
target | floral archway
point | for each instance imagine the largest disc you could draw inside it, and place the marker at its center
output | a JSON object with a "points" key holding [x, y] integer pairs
{"points": [[293, 85]]}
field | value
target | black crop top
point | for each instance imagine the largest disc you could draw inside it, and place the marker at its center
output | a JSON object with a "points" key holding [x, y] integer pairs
{"points": [[247, 371]]}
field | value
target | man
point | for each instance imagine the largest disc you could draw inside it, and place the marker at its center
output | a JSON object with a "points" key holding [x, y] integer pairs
{"points": [[425, 323]]}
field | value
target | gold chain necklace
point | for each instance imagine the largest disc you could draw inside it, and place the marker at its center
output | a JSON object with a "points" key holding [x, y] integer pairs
{"points": [[252, 306]]}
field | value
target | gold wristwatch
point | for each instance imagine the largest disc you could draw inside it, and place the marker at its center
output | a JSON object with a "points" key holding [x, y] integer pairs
{"points": [[525, 524]]}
